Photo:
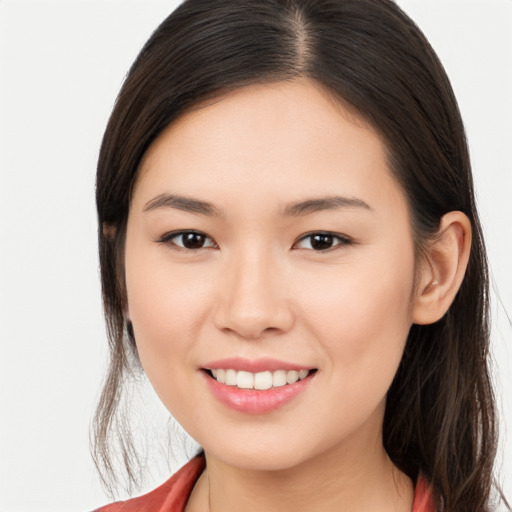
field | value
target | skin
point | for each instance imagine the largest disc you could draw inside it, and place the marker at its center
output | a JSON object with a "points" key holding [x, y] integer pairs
{"points": [[257, 289]]}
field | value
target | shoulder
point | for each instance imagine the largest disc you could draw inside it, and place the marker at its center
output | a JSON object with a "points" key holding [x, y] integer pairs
{"points": [[171, 496]]}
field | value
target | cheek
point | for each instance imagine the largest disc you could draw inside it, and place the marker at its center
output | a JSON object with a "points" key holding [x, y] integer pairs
{"points": [[167, 305], [167, 311], [363, 316]]}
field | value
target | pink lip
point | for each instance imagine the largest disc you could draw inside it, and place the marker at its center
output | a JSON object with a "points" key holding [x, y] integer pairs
{"points": [[251, 401], [258, 365]]}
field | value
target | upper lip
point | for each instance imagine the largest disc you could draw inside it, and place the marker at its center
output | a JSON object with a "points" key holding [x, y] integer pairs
{"points": [[254, 366]]}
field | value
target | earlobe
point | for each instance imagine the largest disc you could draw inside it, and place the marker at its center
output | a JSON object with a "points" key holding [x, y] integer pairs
{"points": [[443, 268]]}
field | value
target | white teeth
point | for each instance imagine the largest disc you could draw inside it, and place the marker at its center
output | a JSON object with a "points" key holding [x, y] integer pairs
{"points": [[259, 381], [263, 380], [244, 380], [279, 378], [292, 376], [230, 377]]}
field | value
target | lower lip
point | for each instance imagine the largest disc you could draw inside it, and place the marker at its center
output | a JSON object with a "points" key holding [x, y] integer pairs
{"points": [[251, 401]]}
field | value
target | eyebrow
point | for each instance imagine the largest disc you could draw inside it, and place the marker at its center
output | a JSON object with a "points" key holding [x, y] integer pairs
{"points": [[186, 204], [324, 203], [192, 205]]}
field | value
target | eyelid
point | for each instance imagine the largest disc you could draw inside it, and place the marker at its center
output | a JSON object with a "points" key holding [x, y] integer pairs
{"points": [[343, 240], [167, 239]]}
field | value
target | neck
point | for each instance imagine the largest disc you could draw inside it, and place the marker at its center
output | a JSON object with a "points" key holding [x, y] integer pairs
{"points": [[339, 480]]}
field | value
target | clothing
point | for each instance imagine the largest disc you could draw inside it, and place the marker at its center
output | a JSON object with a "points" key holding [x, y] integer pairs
{"points": [[172, 496]]}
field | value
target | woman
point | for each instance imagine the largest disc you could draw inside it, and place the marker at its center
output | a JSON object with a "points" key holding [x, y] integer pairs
{"points": [[290, 248]]}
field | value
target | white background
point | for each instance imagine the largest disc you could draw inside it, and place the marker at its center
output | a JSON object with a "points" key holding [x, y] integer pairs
{"points": [[61, 66]]}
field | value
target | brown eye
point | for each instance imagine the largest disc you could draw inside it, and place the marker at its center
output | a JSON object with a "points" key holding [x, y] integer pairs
{"points": [[191, 240], [322, 241]]}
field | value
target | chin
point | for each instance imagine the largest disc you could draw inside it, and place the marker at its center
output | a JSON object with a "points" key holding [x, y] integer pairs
{"points": [[259, 460], [272, 453]]}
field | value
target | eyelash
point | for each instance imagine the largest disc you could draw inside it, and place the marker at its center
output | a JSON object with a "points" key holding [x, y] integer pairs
{"points": [[342, 240], [168, 239]]}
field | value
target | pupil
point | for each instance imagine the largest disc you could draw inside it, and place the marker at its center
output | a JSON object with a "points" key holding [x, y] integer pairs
{"points": [[193, 240], [319, 242]]}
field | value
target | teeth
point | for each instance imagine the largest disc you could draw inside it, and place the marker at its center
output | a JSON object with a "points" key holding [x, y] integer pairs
{"points": [[303, 374], [292, 377], [279, 378], [230, 377], [261, 380], [244, 380]]}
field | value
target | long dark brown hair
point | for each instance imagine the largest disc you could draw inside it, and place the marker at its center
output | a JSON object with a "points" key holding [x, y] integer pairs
{"points": [[440, 415]]}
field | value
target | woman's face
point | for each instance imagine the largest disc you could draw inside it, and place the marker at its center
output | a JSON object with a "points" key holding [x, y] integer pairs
{"points": [[266, 235]]}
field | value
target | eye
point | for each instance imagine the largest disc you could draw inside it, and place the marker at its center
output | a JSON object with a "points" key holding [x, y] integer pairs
{"points": [[322, 241], [188, 240]]}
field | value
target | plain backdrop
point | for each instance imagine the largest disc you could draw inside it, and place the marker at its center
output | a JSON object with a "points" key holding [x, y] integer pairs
{"points": [[61, 66]]}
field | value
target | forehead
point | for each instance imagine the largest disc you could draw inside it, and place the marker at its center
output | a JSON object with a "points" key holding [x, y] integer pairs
{"points": [[279, 139]]}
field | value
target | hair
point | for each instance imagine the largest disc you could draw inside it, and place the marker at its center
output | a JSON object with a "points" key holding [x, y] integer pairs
{"points": [[440, 416]]}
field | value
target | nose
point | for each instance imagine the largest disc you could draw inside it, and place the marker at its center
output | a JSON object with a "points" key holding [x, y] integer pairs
{"points": [[253, 300]]}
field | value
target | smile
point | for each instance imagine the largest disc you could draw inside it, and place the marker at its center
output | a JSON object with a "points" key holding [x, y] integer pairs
{"points": [[259, 381], [256, 387]]}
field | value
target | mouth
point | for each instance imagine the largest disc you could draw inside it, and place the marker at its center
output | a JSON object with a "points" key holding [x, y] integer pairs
{"points": [[259, 391], [260, 381]]}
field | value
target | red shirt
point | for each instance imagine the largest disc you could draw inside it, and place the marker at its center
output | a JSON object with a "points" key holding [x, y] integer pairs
{"points": [[172, 496]]}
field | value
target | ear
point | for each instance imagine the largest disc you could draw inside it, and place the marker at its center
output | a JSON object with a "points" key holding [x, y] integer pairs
{"points": [[442, 269]]}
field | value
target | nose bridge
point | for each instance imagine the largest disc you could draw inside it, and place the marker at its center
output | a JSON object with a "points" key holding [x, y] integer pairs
{"points": [[252, 298]]}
